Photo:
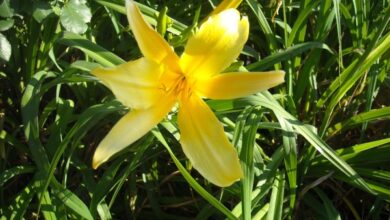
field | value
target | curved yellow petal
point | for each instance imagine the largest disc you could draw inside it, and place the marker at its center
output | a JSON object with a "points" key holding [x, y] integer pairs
{"points": [[216, 45], [235, 85], [225, 4], [205, 143], [129, 129], [135, 83], [151, 44]]}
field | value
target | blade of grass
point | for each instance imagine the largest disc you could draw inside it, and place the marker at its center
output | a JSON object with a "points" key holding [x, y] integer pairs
{"points": [[290, 158], [195, 185], [264, 181], [370, 93], [355, 70], [72, 201], [246, 157], [266, 100], [336, 9], [287, 54], [330, 211], [373, 115], [149, 13], [20, 204], [13, 172], [265, 27], [96, 52], [30, 108], [277, 195], [301, 20], [366, 64]]}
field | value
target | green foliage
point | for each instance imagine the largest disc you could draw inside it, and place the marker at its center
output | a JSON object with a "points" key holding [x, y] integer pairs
{"points": [[317, 148], [5, 48], [75, 15]]}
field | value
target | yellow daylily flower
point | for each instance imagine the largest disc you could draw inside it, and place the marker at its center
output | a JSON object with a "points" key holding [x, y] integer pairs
{"points": [[153, 84]]}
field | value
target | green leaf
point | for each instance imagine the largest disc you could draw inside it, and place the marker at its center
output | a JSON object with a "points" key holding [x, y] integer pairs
{"points": [[353, 76], [287, 54], [30, 111], [301, 20], [329, 210], [71, 200], [264, 25], [75, 15], [264, 181], [6, 24], [195, 185], [101, 55], [41, 10], [149, 14], [5, 9], [20, 203], [86, 120], [84, 65], [267, 100], [373, 115], [276, 203], [290, 159], [15, 171], [5, 48], [247, 161], [362, 153]]}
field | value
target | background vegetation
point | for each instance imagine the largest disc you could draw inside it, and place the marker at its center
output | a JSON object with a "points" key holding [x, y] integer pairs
{"points": [[317, 148]]}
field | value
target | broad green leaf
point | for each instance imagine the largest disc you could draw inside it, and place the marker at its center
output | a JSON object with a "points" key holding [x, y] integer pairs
{"points": [[5, 9], [49, 209], [5, 48], [73, 202], [41, 10], [30, 113], [261, 214], [75, 15], [6, 24]]}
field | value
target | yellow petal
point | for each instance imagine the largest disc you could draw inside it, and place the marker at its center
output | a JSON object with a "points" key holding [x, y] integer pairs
{"points": [[130, 128], [226, 4], [151, 44], [235, 85], [216, 45], [205, 143], [135, 84]]}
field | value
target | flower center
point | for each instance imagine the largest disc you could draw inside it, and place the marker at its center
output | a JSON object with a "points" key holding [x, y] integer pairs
{"points": [[183, 88], [177, 84]]}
